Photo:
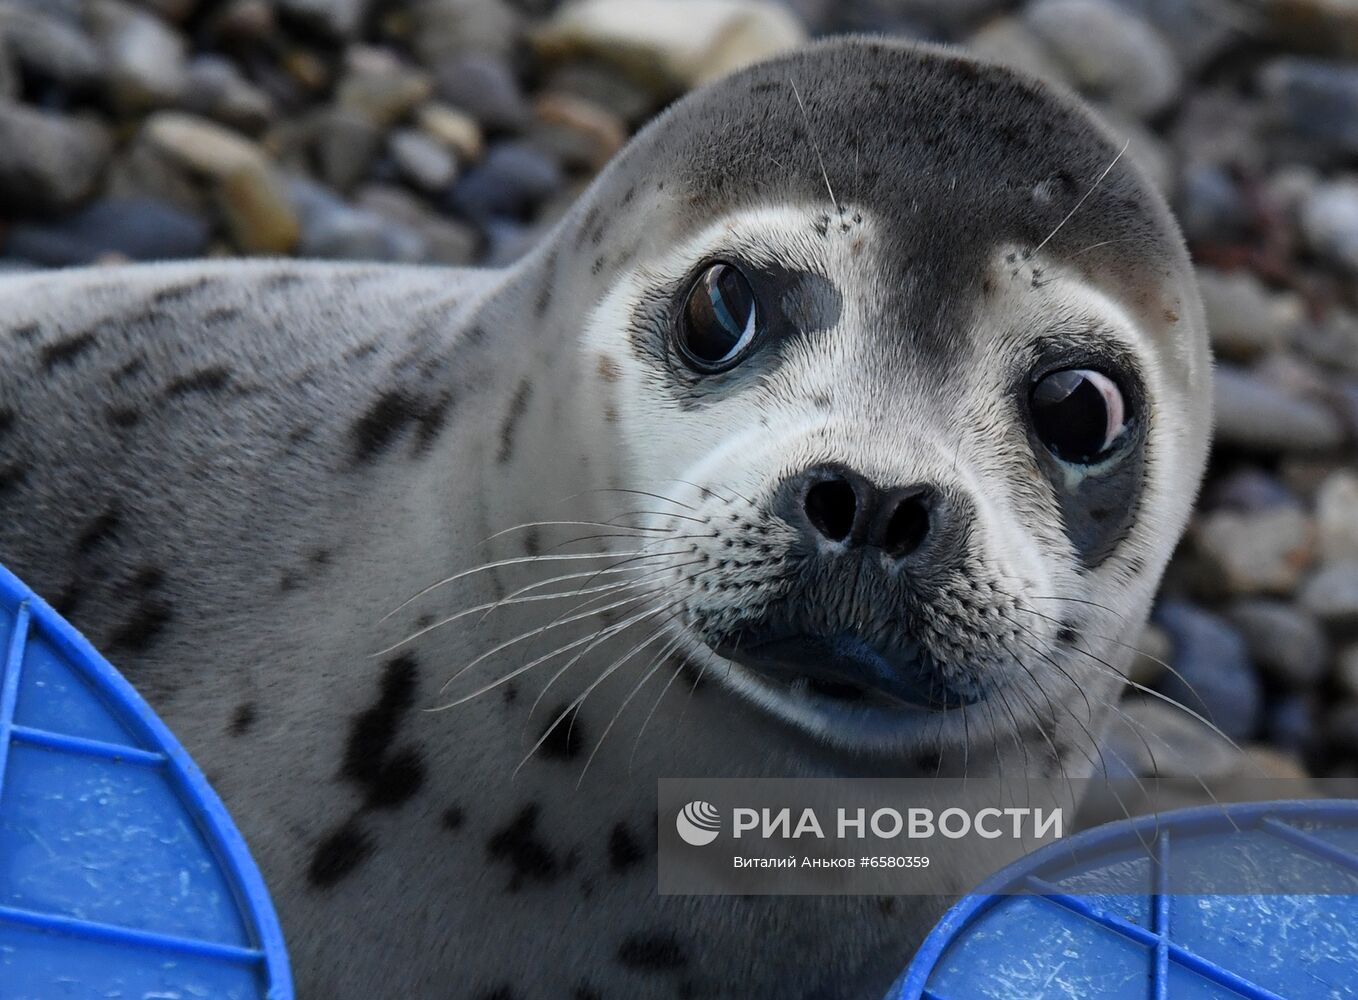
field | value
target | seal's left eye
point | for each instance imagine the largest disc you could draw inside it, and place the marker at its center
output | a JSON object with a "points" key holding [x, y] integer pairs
{"points": [[720, 319], [1080, 414]]}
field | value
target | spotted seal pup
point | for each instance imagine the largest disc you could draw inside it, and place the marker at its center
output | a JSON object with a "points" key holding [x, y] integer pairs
{"points": [[843, 427]]}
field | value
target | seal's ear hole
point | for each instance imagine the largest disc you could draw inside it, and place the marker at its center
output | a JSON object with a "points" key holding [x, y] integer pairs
{"points": [[1079, 414], [720, 319]]}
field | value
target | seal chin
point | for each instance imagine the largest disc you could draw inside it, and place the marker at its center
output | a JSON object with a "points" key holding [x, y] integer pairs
{"points": [[849, 672]]}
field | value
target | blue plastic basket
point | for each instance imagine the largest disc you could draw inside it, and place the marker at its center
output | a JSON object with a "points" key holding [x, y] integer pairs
{"points": [[1141, 942], [121, 874]]}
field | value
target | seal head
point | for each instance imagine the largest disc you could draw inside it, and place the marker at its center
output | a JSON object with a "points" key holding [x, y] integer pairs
{"points": [[918, 351]]}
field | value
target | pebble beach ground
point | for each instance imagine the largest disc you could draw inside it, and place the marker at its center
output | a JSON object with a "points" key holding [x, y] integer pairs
{"points": [[456, 131]]}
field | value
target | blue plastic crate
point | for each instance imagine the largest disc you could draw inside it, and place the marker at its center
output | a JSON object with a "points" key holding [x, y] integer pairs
{"points": [[121, 874], [1131, 939]]}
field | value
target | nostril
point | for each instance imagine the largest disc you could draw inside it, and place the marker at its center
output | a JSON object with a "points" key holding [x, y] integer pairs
{"points": [[906, 528], [831, 506]]}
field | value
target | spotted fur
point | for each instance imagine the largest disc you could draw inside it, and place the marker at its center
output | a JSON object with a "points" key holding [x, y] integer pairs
{"points": [[229, 473]]}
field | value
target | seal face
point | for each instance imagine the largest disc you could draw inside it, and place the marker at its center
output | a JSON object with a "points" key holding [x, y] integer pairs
{"points": [[871, 387]]}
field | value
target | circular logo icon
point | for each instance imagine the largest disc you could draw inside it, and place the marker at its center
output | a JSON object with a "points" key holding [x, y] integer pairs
{"points": [[698, 823]]}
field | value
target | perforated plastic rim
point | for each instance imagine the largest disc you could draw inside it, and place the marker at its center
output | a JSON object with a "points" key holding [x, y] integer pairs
{"points": [[913, 983], [32, 612]]}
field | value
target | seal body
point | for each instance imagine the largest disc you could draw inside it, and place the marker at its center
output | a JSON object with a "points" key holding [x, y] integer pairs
{"points": [[229, 475]]}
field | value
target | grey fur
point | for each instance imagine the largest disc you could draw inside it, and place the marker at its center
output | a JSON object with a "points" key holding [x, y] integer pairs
{"points": [[226, 473]]}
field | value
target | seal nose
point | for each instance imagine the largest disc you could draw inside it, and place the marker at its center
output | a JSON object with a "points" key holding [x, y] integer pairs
{"points": [[844, 507]]}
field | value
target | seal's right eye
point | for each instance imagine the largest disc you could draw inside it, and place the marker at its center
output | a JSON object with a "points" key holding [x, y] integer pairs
{"points": [[720, 320]]}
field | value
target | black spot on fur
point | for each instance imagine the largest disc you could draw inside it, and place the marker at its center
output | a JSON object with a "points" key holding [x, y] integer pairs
{"points": [[501, 992], [1066, 634], [64, 352], [281, 281], [372, 731], [180, 292], [566, 737], [624, 852], [69, 599], [586, 992], [123, 416], [532, 542], [338, 855], [517, 407], [222, 314], [128, 370], [453, 818], [242, 719], [652, 953], [27, 332], [212, 379], [149, 619], [511, 693], [6, 420], [400, 779], [101, 529], [518, 845], [391, 414], [12, 475], [148, 578], [389, 777]]}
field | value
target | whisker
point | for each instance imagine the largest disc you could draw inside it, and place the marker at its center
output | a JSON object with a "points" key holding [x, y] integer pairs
{"points": [[498, 564], [647, 673], [678, 670], [1084, 197], [593, 640]]}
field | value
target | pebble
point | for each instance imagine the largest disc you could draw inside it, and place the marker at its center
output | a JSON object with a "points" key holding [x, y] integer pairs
{"points": [[1247, 489], [448, 241], [336, 18], [332, 230], [1211, 206], [1244, 317], [588, 135], [49, 162], [1256, 552], [1151, 737], [345, 144], [248, 190], [1108, 53], [1213, 673], [1252, 412], [443, 28], [1329, 220], [1291, 722], [378, 85], [513, 178], [422, 160], [1346, 669], [1153, 652], [605, 86], [671, 46], [216, 89], [1337, 516], [1331, 594], [485, 87], [456, 129], [146, 60], [1194, 29], [1317, 25], [136, 229], [1009, 42], [1315, 103], [1287, 644], [1341, 728], [50, 48]]}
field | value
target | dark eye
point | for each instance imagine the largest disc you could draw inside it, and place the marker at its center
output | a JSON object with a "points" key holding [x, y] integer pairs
{"points": [[1079, 414], [720, 319]]}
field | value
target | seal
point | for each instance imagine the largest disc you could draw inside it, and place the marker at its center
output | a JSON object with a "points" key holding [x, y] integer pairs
{"points": [[843, 427]]}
